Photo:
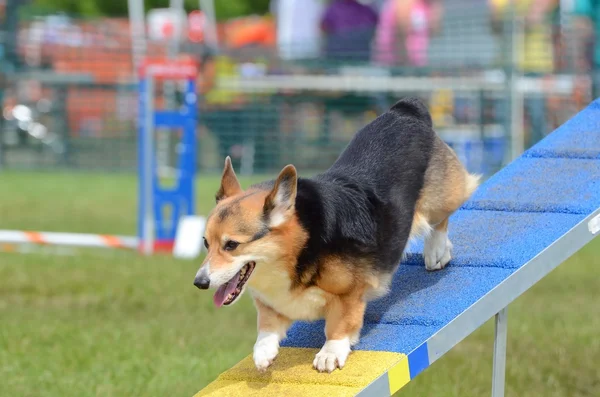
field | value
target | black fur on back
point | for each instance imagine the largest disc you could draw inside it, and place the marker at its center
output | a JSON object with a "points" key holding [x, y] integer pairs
{"points": [[363, 205]]}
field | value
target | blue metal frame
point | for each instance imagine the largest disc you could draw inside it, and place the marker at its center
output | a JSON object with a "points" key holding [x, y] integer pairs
{"points": [[181, 197]]}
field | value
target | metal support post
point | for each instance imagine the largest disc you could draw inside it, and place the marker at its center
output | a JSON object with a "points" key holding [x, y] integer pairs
{"points": [[516, 96], [208, 8], [499, 368], [148, 173], [137, 32], [165, 139]]}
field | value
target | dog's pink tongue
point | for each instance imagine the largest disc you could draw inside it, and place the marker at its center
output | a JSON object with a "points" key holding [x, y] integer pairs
{"points": [[224, 290]]}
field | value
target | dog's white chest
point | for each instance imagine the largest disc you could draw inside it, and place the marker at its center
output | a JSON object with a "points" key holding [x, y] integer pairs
{"points": [[272, 286]]}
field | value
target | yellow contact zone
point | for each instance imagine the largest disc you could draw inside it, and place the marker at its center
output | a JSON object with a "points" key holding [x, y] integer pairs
{"points": [[292, 374], [398, 375]]}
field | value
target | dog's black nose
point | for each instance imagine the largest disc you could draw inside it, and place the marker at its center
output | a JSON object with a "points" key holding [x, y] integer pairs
{"points": [[202, 282]]}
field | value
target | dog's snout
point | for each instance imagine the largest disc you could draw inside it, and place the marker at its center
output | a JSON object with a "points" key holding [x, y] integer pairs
{"points": [[202, 281]]}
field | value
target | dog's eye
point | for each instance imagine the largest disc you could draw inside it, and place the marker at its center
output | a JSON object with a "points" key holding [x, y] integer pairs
{"points": [[231, 245], [206, 243]]}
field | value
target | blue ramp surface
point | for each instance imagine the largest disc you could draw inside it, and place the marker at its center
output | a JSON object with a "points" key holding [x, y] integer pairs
{"points": [[518, 226], [419, 304], [577, 138]]}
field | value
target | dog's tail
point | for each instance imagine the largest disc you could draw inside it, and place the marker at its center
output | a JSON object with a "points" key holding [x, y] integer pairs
{"points": [[472, 183], [412, 106]]}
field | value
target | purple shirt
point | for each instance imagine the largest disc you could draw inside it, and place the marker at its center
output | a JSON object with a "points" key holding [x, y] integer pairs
{"points": [[347, 15]]}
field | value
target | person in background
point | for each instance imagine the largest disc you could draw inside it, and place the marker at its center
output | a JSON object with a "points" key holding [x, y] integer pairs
{"points": [[404, 31], [535, 52], [298, 31], [348, 27], [402, 38], [204, 56], [587, 29], [221, 119]]}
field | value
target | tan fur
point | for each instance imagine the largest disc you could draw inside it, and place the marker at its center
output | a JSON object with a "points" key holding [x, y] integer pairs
{"points": [[273, 281], [377, 286], [230, 185], [345, 315], [442, 226], [270, 320], [420, 226], [447, 186], [219, 231], [335, 276]]}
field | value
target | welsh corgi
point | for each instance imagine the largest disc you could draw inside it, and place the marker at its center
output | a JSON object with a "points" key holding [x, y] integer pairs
{"points": [[322, 247]]}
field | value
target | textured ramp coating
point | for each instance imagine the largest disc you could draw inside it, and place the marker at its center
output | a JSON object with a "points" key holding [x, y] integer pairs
{"points": [[376, 337], [497, 238], [542, 185], [292, 374], [577, 138], [248, 388], [418, 305]]}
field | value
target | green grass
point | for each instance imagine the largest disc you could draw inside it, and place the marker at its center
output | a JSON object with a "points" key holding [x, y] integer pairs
{"points": [[118, 324], [81, 203]]}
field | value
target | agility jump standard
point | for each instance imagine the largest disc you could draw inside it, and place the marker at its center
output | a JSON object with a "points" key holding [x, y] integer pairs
{"points": [[155, 233], [521, 224]]}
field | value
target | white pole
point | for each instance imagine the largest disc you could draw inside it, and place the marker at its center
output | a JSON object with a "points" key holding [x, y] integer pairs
{"points": [[137, 30], [165, 139], [566, 31], [208, 7], [517, 100], [148, 153], [177, 8]]}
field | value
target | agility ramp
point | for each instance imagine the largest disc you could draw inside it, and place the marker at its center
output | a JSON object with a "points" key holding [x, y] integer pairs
{"points": [[522, 223]]}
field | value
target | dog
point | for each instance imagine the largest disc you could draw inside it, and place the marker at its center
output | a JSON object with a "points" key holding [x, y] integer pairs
{"points": [[322, 247]]}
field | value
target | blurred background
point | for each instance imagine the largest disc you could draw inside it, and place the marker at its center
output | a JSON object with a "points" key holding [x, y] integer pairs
{"points": [[290, 80], [281, 81]]}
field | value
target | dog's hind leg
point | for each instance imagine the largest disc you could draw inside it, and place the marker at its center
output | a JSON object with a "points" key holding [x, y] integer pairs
{"points": [[447, 186], [438, 248]]}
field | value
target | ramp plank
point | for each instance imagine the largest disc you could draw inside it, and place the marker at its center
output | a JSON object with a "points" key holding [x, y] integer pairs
{"points": [[518, 226]]}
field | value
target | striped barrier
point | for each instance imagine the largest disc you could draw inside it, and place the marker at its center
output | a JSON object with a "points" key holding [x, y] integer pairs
{"points": [[21, 248], [68, 239]]}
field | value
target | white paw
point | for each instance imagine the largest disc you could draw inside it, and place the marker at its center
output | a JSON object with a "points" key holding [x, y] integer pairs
{"points": [[266, 349], [333, 355], [437, 251]]}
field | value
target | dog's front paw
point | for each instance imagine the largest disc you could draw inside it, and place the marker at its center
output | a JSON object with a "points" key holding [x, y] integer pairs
{"points": [[264, 357], [333, 355], [266, 349]]}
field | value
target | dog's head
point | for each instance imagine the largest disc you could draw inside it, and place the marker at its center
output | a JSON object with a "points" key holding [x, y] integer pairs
{"points": [[247, 229]]}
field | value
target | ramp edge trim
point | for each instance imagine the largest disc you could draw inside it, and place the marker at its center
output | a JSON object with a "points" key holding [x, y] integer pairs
{"points": [[494, 301]]}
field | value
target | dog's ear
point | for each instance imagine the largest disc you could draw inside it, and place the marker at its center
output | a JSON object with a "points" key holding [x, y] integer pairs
{"points": [[279, 204], [230, 186]]}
